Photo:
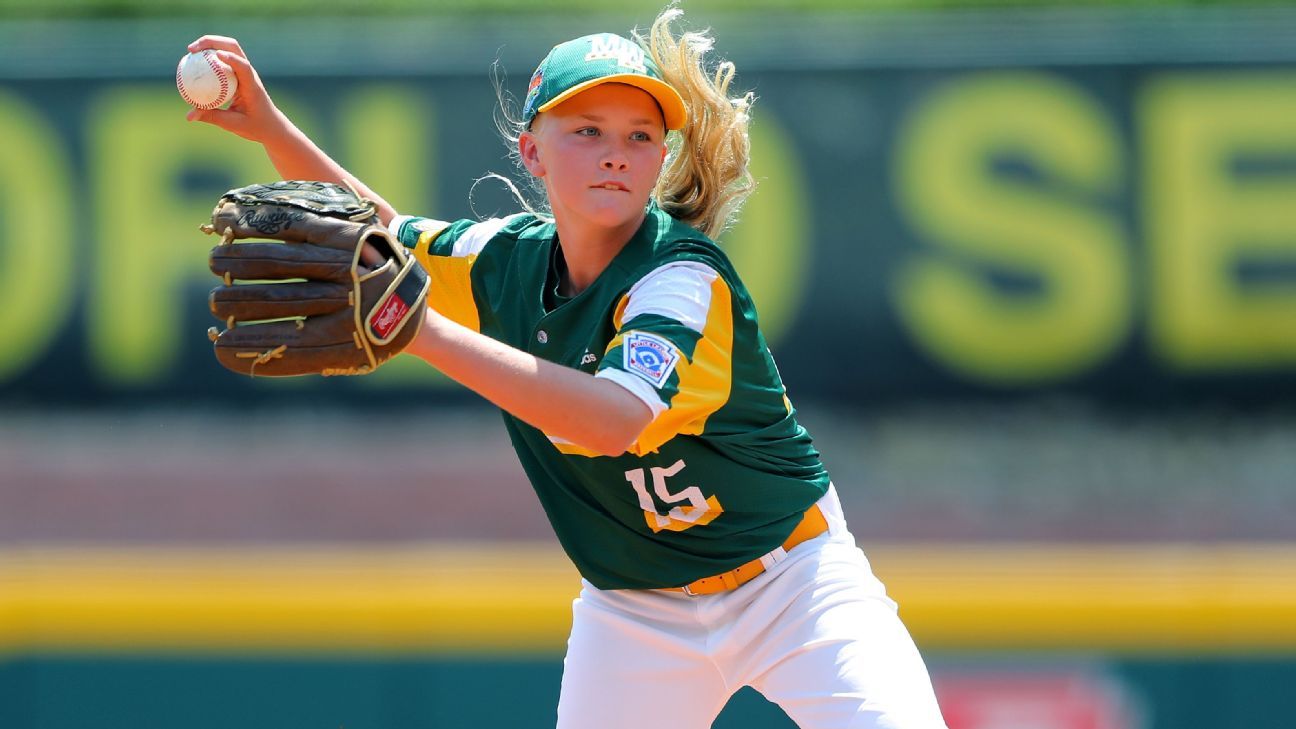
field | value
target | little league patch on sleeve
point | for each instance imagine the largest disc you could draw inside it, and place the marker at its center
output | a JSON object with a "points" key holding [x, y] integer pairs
{"points": [[650, 357]]}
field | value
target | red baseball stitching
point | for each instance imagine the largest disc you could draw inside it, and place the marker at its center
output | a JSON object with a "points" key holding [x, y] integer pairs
{"points": [[224, 80], [184, 93], [220, 75]]}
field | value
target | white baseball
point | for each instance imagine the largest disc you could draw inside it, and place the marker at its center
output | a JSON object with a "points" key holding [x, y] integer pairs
{"points": [[204, 81]]}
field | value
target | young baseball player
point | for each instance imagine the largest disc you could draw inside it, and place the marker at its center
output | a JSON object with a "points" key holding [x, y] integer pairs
{"points": [[642, 400]]}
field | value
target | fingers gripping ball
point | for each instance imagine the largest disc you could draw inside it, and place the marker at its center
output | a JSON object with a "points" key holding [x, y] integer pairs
{"points": [[204, 81], [299, 300]]}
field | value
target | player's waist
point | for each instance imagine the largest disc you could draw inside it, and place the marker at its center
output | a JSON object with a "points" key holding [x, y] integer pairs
{"points": [[812, 524]]}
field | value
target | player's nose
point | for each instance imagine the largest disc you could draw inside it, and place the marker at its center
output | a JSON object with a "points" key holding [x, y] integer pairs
{"points": [[614, 158]]}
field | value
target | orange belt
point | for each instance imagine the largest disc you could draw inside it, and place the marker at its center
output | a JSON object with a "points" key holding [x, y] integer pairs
{"points": [[812, 525]]}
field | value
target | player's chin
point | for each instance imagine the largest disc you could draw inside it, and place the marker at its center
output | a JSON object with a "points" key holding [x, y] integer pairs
{"points": [[614, 208]]}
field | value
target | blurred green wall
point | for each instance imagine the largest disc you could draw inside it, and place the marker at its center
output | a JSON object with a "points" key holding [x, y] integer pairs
{"points": [[1101, 211]]}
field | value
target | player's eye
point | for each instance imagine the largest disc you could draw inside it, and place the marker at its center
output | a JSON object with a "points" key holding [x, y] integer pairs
{"points": [[588, 132], [641, 137]]}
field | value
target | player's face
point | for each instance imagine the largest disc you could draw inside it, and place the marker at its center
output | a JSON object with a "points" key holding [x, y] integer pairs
{"points": [[599, 153]]}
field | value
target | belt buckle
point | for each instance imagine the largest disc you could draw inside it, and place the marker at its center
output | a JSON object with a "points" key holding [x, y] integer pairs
{"points": [[688, 590]]}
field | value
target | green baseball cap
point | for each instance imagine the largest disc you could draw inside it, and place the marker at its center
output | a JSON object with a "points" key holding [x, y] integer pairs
{"points": [[602, 58]]}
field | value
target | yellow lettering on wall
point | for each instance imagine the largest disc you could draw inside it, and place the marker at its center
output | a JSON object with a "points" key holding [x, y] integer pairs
{"points": [[37, 226], [150, 250], [1207, 216], [771, 246], [977, 221]]}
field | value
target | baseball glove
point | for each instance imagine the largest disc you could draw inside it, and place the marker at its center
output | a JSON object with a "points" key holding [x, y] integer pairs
{"points": [[304, 302]]}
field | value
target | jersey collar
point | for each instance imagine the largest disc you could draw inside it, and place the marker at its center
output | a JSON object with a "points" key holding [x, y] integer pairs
{"points": [[636, 252]]}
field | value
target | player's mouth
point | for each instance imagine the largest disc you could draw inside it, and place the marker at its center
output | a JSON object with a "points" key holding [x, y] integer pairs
{"points": [[610, 185]]}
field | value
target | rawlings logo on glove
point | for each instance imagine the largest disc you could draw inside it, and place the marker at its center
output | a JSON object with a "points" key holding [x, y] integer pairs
{"points": [[303, 303], [269, 223]]}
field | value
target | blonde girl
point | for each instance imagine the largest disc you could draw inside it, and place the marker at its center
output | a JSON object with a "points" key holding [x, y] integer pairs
{"points": [[640, 396]]}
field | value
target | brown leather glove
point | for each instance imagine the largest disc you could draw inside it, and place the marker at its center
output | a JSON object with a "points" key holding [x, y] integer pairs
{"points": [[300, 301]]}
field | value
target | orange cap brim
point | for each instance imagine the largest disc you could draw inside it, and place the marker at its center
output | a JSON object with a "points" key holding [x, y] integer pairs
{"points": [[674, 112]]}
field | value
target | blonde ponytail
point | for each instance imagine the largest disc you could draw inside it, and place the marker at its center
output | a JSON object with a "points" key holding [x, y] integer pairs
{"points": [[705, 179]]}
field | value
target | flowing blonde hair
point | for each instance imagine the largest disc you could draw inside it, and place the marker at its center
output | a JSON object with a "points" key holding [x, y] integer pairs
{"points": [[704, 180]]}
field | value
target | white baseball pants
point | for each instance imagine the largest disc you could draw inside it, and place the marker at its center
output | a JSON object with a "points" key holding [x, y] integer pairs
{"points": [[816, 635]]}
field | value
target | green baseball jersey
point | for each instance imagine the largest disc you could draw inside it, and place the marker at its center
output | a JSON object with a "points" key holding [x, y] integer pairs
{"points": [[721, 475]]}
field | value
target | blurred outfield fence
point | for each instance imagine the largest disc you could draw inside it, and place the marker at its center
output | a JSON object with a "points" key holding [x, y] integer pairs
{"points": [[962, 215]]}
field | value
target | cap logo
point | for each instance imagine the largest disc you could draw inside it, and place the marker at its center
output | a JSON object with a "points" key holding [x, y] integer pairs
{"points": [[533, 92], [610, 47]]}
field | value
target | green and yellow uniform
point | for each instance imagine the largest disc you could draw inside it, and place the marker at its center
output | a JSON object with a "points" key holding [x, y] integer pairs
{"points": [[723, 473]]}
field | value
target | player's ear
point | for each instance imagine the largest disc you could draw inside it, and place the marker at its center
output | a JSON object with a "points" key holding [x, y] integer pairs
{"points": [[529, 150]]}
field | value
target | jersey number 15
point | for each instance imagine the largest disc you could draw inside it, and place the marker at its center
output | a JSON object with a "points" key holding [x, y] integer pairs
{"points": [[698, 510]]}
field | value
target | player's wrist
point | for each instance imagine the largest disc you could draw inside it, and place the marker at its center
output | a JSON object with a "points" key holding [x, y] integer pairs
{"points": [[431, 337]]}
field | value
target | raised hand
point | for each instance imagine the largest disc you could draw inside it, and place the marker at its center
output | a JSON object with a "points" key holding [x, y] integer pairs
{"points": [[251, 115]]}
